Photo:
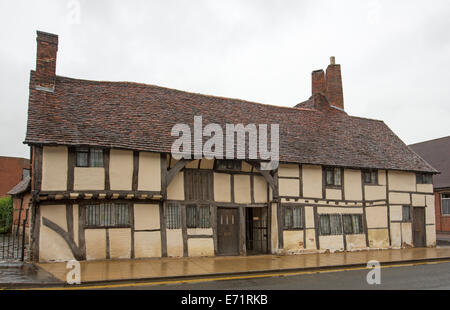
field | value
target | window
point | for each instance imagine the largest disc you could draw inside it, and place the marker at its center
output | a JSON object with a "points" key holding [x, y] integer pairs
{"points": [[293, 217], [352, 224], [173, 216], [333, 176], [406, 214], [370, 177], [108, 215], [330, 224], [197, 216], [424, 178], [226, 164], [89, 157], [198, 184], [445, 204]]}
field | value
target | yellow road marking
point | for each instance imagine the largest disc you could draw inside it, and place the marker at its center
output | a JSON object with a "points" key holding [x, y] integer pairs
{"points": [[242, 277]]}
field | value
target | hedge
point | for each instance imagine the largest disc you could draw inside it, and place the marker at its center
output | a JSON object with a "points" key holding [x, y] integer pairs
{"points": [[6, 214]]}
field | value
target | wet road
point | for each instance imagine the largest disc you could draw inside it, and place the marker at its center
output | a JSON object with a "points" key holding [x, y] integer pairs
{"points": [[427, 276]]}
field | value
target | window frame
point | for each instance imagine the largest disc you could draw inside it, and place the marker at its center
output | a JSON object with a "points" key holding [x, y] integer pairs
{"points": [[237, 165], [198, 214], [207, 177], [177, 218], [409, 219], [341, 221], [370, 171], [360, 220], [441, 203], [88, 150], [87, 225], [422, 178], [290, 208], [333, 172]]}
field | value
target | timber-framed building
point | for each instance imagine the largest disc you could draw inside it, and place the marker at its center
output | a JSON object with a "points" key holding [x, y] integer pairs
{"points": [[105, 186]]}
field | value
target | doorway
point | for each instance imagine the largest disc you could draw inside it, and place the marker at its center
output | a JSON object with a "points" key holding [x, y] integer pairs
{"points": [[256, 231], [228, 231], [419, 227]]}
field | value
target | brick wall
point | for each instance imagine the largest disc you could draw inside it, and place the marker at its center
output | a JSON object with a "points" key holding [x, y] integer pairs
{"points": [[442, 222], [11, 172]]}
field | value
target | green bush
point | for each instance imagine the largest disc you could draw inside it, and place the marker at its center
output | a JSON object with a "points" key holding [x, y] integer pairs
{"points": [[6, 214]]}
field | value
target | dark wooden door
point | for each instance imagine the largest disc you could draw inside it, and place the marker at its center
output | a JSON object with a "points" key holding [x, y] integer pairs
{"points": [[419, 227], [228, 231]]}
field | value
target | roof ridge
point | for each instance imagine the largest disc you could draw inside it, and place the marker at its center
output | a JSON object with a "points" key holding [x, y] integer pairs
{"points": [[431, 140], [125, 83]]}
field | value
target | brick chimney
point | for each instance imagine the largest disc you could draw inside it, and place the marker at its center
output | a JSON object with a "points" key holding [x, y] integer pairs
{"points": [[334, 84], [47, 48], [318, 82]]}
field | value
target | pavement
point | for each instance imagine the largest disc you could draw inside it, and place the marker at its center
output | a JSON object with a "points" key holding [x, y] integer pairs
{"points": [[161, 269], [18, 274]]}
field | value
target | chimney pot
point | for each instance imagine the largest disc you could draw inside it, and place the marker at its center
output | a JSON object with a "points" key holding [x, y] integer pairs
{"points": [[47, 49], [332, 60]]}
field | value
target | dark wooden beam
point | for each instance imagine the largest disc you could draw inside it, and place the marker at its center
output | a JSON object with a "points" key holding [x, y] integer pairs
{"points": [[171, 173]]}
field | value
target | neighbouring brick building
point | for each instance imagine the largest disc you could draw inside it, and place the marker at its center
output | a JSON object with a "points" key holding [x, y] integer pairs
{"points": [[12, 171], [437, 153], [105, 184]]}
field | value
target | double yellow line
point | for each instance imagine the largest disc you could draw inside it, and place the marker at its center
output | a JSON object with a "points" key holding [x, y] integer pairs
{"points": [[224, 278]]}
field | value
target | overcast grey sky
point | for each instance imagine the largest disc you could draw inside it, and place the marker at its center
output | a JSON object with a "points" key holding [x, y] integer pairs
{"points": [[395, 55]]}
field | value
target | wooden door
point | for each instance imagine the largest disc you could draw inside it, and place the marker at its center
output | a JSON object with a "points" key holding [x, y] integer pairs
{"points": [[228, 231], [419, 227]]}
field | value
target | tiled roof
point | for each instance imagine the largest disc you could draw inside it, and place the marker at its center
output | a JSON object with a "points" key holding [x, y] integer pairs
{"points": [[437, 153], [140, 117], [22, 187]]}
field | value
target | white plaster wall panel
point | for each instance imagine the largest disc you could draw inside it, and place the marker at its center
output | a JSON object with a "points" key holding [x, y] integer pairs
{"points": [[147, 244], [425, 188], [396, 235], [289, 187], [95, 244], [146, 216], [54, 168], [260, 189], [120, 243], [418, 200], [242, 189], [374, 192], [120, 169], [357, 241], [376, 217], [200, 247], [352, 184], [396, 213], [149, 174], [174, 243], [222, 187], [293, 240], [309, 217], [334, 194], [400, 198], [378, 238], [402, 181], [312, 181], [332, 243], [175, 190], [431, 235], [288, 170]]}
